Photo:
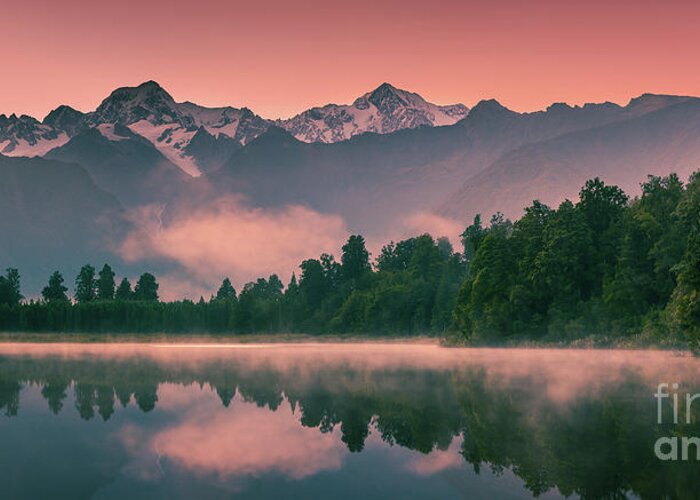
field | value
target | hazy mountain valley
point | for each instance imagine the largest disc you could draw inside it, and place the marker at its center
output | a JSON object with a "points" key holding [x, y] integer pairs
{"points": [[143, 170]]}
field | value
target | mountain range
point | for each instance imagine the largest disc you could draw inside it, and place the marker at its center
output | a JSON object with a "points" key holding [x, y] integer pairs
{"points": [[198, 138], [384, 163]]}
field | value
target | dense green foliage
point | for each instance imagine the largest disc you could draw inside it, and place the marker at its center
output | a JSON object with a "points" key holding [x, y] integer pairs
{"points": [[411, 289], [605, 264], [602, 265]]}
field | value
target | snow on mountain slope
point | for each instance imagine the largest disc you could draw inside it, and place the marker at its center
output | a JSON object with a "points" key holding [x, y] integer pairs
{"points": [[240, 124], [38, 147], [170, 139], [26, 136], [107, 130], [384, 110]]}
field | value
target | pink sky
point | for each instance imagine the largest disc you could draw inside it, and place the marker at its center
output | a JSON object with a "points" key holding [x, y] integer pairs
{"points": [[280, 57]]}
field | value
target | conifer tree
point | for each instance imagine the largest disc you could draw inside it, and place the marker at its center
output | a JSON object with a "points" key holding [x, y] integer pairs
{"points": [[105, 283], [124, 291], [56, 290], [86, 285]]}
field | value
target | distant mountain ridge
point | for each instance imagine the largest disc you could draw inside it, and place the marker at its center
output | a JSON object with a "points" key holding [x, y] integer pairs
{"points": [[661, 135], [375, 181]]}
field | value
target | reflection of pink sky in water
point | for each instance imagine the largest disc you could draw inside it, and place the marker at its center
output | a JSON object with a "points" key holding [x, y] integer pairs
{"points": [[245, 440], [561, 374], [242, 439], [437, 460]]}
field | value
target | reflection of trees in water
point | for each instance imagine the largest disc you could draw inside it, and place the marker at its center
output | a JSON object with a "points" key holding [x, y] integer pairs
{"points": [[597, 445], [55, 391], [9, 396]]}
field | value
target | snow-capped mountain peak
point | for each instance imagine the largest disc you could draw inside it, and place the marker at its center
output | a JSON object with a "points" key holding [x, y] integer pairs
{"points": [[384, 110], [386, 98], [126, 105], [151, 112]]}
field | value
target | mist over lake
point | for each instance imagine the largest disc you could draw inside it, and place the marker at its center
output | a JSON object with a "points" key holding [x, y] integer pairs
{"points": [[337, 421]]}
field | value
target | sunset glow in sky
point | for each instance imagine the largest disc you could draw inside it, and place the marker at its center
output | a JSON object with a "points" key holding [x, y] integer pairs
{"points": [[281, 57]]}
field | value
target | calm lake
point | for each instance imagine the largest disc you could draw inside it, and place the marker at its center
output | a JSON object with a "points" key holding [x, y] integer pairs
{"points": [[342, 421]]}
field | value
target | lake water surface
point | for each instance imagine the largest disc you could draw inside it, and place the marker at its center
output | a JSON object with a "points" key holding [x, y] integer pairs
{"points": [[340, 421]]}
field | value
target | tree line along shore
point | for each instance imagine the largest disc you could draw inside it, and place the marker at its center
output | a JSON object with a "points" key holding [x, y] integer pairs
{"points": [[603, 265]]}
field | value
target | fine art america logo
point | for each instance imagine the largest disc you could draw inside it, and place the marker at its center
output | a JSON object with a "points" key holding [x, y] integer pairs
{"points": [[668, 447]]}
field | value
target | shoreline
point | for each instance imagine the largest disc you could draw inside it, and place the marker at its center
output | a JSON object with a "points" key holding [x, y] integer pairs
{"points": [[592, 342], [210, 339], [635, 343]]}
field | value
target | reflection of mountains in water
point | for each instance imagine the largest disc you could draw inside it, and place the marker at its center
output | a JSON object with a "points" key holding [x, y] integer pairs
{"points": [[583, 422]]}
